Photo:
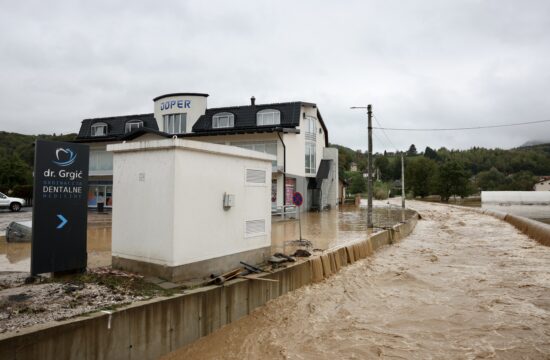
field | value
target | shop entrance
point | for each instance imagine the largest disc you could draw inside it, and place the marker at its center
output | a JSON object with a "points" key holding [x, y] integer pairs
{"points": [[100, 194]]}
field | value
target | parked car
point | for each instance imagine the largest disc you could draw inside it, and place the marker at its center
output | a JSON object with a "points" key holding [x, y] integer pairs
{"points": [[14, 204]]}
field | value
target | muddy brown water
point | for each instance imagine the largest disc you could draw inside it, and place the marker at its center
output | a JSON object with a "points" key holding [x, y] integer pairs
{"points": [[16, 256], [461, 286], [331, 228], [324, 229]]}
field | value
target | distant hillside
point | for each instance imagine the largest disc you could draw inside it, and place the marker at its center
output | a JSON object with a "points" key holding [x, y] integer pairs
{"points": [[17, 157], [534, 159], [535, 143]]}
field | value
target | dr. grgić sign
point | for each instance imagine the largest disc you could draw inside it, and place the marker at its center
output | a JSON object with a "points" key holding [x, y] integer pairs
{"points": [[60, 213]]}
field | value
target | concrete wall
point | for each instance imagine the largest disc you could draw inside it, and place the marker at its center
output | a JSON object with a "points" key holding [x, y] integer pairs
{"points": [[150, 329], [530, 204], [330, 185], [515, 197], [169, 207]]}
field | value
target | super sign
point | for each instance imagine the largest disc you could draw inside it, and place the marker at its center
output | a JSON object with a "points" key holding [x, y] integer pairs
{"points": [[297, 199]]}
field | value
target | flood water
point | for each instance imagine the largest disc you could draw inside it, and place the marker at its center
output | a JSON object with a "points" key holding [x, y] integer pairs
{"points": [[324, 229], [331, 228], [16, 256]]}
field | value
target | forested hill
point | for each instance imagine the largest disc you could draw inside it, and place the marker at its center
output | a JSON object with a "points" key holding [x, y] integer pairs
{"points": [[17, 157], [486, 169]]}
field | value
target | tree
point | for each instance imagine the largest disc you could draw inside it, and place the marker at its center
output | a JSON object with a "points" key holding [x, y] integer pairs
{"points": [[412, 150], [421, 176], [523, 181], [383, 164], [14, 171], [490, 180], [453, 180], [358, 183], [430, 153]]}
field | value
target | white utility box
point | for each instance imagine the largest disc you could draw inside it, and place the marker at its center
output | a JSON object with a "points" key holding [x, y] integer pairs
{"points": [[169, 220]]}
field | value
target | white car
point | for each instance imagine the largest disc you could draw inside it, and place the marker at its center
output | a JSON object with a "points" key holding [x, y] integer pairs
{"points": [[14, 204]]}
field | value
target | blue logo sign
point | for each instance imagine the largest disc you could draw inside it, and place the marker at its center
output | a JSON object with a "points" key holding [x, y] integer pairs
{"points": [[65, 157]]}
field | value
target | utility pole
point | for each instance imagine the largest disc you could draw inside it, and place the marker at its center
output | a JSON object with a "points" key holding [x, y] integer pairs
{"points": [[369, 177], [402, 181], [369, 182]]}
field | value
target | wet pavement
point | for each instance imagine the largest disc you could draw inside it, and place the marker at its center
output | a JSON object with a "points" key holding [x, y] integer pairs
{"points": [[461, 286]]}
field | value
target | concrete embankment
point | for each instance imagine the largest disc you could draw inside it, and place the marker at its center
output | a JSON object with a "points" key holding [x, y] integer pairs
{"points": [[150, 329], [534, 229]]}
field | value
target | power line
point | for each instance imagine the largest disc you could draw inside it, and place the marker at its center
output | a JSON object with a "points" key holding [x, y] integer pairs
{"points": [[383, 143], [463, 128], [385, 134]]}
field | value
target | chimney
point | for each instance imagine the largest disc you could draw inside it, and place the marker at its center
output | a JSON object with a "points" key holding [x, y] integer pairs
{"points": [[252, 101]]}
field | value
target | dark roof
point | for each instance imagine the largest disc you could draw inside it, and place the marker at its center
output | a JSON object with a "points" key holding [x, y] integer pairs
{"points": [[245, 119], [179, 94], [245, 122], [115, 126]]}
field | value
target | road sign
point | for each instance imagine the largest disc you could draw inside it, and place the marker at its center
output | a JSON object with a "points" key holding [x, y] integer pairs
{"points": [[297, 199], [60, 212]]}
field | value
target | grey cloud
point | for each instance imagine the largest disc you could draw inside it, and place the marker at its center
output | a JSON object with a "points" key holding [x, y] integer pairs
{"points": [[420, 63]]}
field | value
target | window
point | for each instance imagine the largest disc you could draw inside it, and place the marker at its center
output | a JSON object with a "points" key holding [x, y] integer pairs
{"points": [[311, 163], [268, 147], [175, 123], [99, 129], [132, 125], [310, 128], [223, 120], [268, 117], [101, 160]]}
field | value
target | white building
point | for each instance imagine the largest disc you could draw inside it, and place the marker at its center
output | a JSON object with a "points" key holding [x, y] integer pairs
{"points": [[294, 132], [543, 184]]}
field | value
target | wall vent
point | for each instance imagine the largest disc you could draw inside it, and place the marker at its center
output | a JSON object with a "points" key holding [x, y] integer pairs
{"points": [[254, 176], [254, 227]]}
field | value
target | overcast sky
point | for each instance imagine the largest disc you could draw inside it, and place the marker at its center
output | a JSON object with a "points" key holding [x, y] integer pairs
{"points": [[420, 63]]}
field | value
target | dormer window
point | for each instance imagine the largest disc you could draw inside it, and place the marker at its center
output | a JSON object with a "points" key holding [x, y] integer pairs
{"points": [[223, 120], [99, 129], [133, 125], [268, 117]]}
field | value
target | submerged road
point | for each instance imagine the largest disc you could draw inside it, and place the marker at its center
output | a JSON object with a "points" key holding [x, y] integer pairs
{"points": [[461, 286]]}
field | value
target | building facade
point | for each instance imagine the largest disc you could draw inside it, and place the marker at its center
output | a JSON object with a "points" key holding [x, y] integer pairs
{"points": [[294, 132], [543, 184]]}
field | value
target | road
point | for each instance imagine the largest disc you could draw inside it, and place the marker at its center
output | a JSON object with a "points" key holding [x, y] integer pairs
{"points": [[461, 286]]}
